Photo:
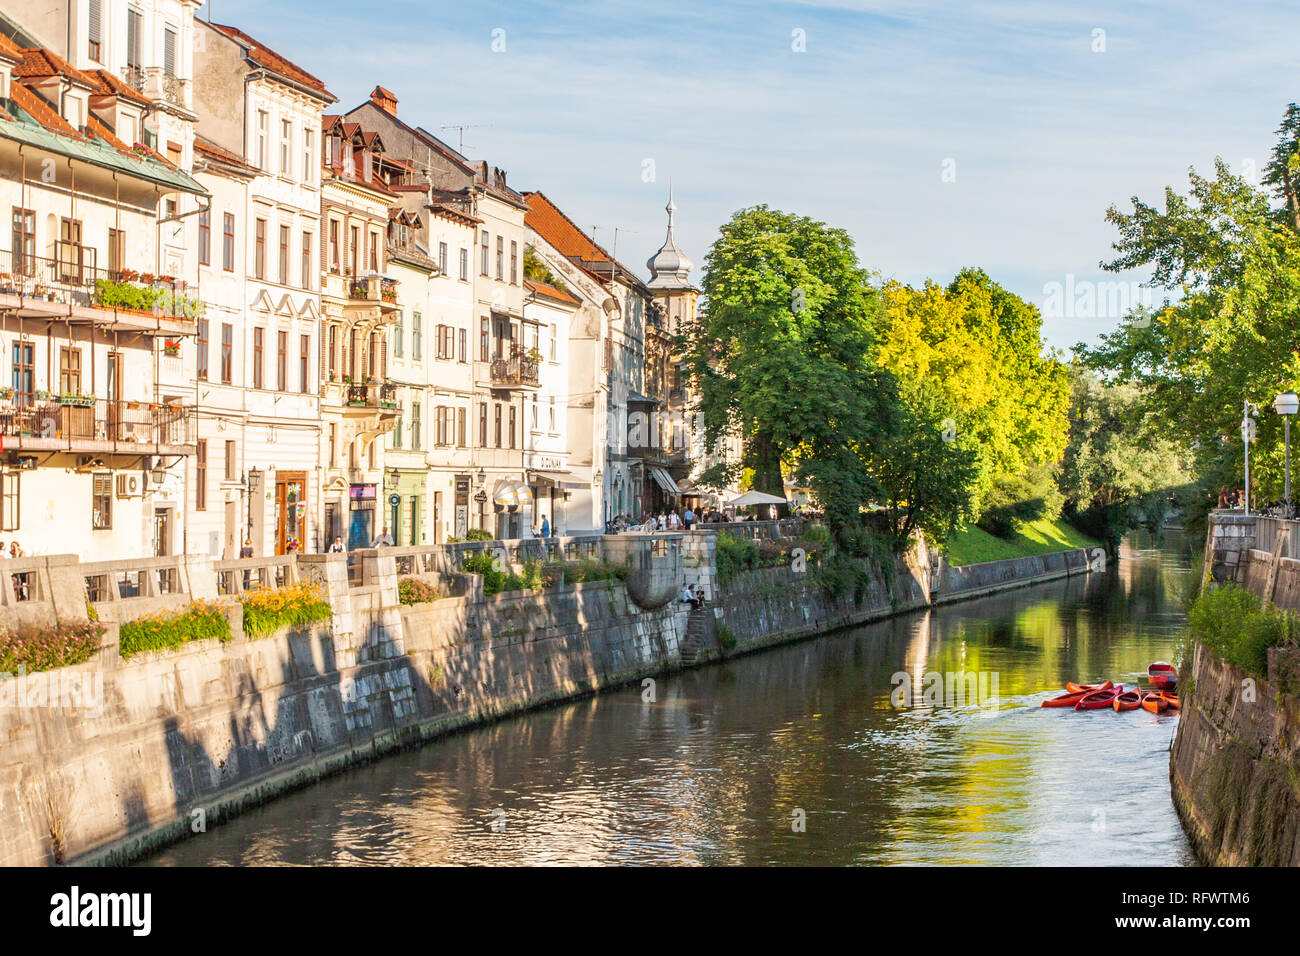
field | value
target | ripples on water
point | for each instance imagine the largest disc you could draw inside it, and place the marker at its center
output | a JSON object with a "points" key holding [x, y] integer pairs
{"points": [[715, 770]]}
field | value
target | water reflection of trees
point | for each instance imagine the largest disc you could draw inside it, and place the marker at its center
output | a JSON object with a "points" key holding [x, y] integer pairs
{"points": [[712, 771]]}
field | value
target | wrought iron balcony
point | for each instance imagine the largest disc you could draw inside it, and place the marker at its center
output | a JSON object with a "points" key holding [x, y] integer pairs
{"points": [[520, 367], [380, 395], [39, 421], [74, 278]]}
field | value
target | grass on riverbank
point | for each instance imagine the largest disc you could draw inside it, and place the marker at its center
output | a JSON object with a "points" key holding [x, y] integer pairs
{"points": [[975, 545]]}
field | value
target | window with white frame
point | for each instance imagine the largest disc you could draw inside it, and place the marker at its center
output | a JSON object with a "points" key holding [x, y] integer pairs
{"points": [[286, 138]]}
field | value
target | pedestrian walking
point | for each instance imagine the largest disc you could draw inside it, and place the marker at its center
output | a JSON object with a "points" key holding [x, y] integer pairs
{"points": [[689, 518], [385, 540], [546, 527]]}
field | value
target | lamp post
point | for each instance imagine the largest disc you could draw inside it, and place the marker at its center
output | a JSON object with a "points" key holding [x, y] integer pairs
{"points": [[1286, 405], [1249, 412]]}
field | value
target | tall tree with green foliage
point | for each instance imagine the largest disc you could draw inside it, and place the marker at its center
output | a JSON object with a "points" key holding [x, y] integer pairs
{"points": [[978, 350], [781, 353], [927, 469], [1120, 468], [1228, 255]]}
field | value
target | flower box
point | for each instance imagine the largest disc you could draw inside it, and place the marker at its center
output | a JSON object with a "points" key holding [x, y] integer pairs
{"points": [[80, 401]]}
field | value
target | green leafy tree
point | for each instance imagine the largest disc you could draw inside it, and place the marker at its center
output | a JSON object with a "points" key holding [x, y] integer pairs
{"points": [[927, 467], [1120, 468], [782, 352], [979, 350], [1228, 254]]}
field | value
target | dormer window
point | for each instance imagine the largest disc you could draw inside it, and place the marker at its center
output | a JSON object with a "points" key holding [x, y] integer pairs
{"points": [[74, 111], [128, 126]]}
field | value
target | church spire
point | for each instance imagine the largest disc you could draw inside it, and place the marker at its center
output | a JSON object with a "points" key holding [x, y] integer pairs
{"points": [[669, 267]]}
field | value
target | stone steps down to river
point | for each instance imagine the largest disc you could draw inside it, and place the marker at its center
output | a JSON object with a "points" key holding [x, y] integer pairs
{"points": [[178, 740]]}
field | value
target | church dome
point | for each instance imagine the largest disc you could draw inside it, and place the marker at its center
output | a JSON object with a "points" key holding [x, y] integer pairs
{"points": [[669, 267]]}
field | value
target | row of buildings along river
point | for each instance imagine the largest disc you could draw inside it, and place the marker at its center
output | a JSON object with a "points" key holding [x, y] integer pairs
{"points": [[233, 308]]}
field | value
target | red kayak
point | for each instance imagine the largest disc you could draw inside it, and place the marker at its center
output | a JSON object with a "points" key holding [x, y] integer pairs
{"points": [[1097, 700], [1067, 700], [1154, 703], [1163, 674], [1074, 688], [1129, 700], [1171, 700]]}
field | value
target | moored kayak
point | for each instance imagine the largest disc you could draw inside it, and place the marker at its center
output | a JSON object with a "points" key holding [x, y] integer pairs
{"points": [[1171, 700], [1163, 674], [1154, 703], [1074, 688], [1097, 700], [1066, 700], [1129, 700]]}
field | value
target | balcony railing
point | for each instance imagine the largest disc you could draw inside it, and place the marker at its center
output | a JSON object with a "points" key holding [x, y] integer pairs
{"points": [[373, 288], [157, 84], [73, 278], [88, 419], [518, 368], [374, 395]]}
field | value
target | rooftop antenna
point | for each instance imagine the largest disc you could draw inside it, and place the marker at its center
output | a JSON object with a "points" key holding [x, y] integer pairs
{"points": [[460, 129]]}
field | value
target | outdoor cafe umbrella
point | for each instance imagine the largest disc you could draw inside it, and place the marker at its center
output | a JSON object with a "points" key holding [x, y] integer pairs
{"points": [[756, 498]]}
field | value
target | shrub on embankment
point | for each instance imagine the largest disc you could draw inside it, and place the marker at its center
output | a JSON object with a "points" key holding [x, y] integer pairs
{"points": [[1234, 623], [32, 649], [735, 554], [294, 606], [156, 632]]}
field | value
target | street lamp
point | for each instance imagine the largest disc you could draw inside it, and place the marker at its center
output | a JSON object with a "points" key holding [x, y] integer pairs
{"points": [[1249, 413], [1286, 405]]}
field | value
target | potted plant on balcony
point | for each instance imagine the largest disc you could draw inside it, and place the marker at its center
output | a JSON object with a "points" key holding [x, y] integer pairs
{"points": [[172, 347], [81, 401]]}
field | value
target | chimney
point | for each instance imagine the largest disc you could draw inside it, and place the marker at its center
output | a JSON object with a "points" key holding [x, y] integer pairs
{"points": [[384, 99]]}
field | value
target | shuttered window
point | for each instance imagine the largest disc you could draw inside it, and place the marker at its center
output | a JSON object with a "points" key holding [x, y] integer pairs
{"points": [[94, 31], [134, 18], [169, 51]]}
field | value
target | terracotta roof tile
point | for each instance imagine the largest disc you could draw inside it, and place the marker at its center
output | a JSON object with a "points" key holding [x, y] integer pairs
{"points": [[546, 219], [550, 291], [9, 49], [111, 85], [38, 63], [40, 110], [208, 148], [104, 133], [274, 61]]}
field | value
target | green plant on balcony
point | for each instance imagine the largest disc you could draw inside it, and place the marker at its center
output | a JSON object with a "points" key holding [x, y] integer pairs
{"points": [[146, 298], [81, 401], [358, 289]]}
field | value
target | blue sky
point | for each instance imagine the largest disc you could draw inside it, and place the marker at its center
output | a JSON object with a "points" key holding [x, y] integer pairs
{"points": [[1043, 133]]}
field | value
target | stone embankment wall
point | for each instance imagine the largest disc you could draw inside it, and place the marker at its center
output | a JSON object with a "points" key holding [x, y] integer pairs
{"points": [[1235, 765], [109, 759]]}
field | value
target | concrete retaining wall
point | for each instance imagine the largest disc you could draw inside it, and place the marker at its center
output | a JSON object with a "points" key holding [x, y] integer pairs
{"points": [[1235, 766], [1236, 761]]}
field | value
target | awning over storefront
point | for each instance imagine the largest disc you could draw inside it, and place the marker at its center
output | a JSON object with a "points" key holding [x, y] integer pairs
{"points": [[665, 481], [549, 479]]}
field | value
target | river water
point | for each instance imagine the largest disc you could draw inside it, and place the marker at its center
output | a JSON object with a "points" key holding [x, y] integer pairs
{"points": [[798, 754]]}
